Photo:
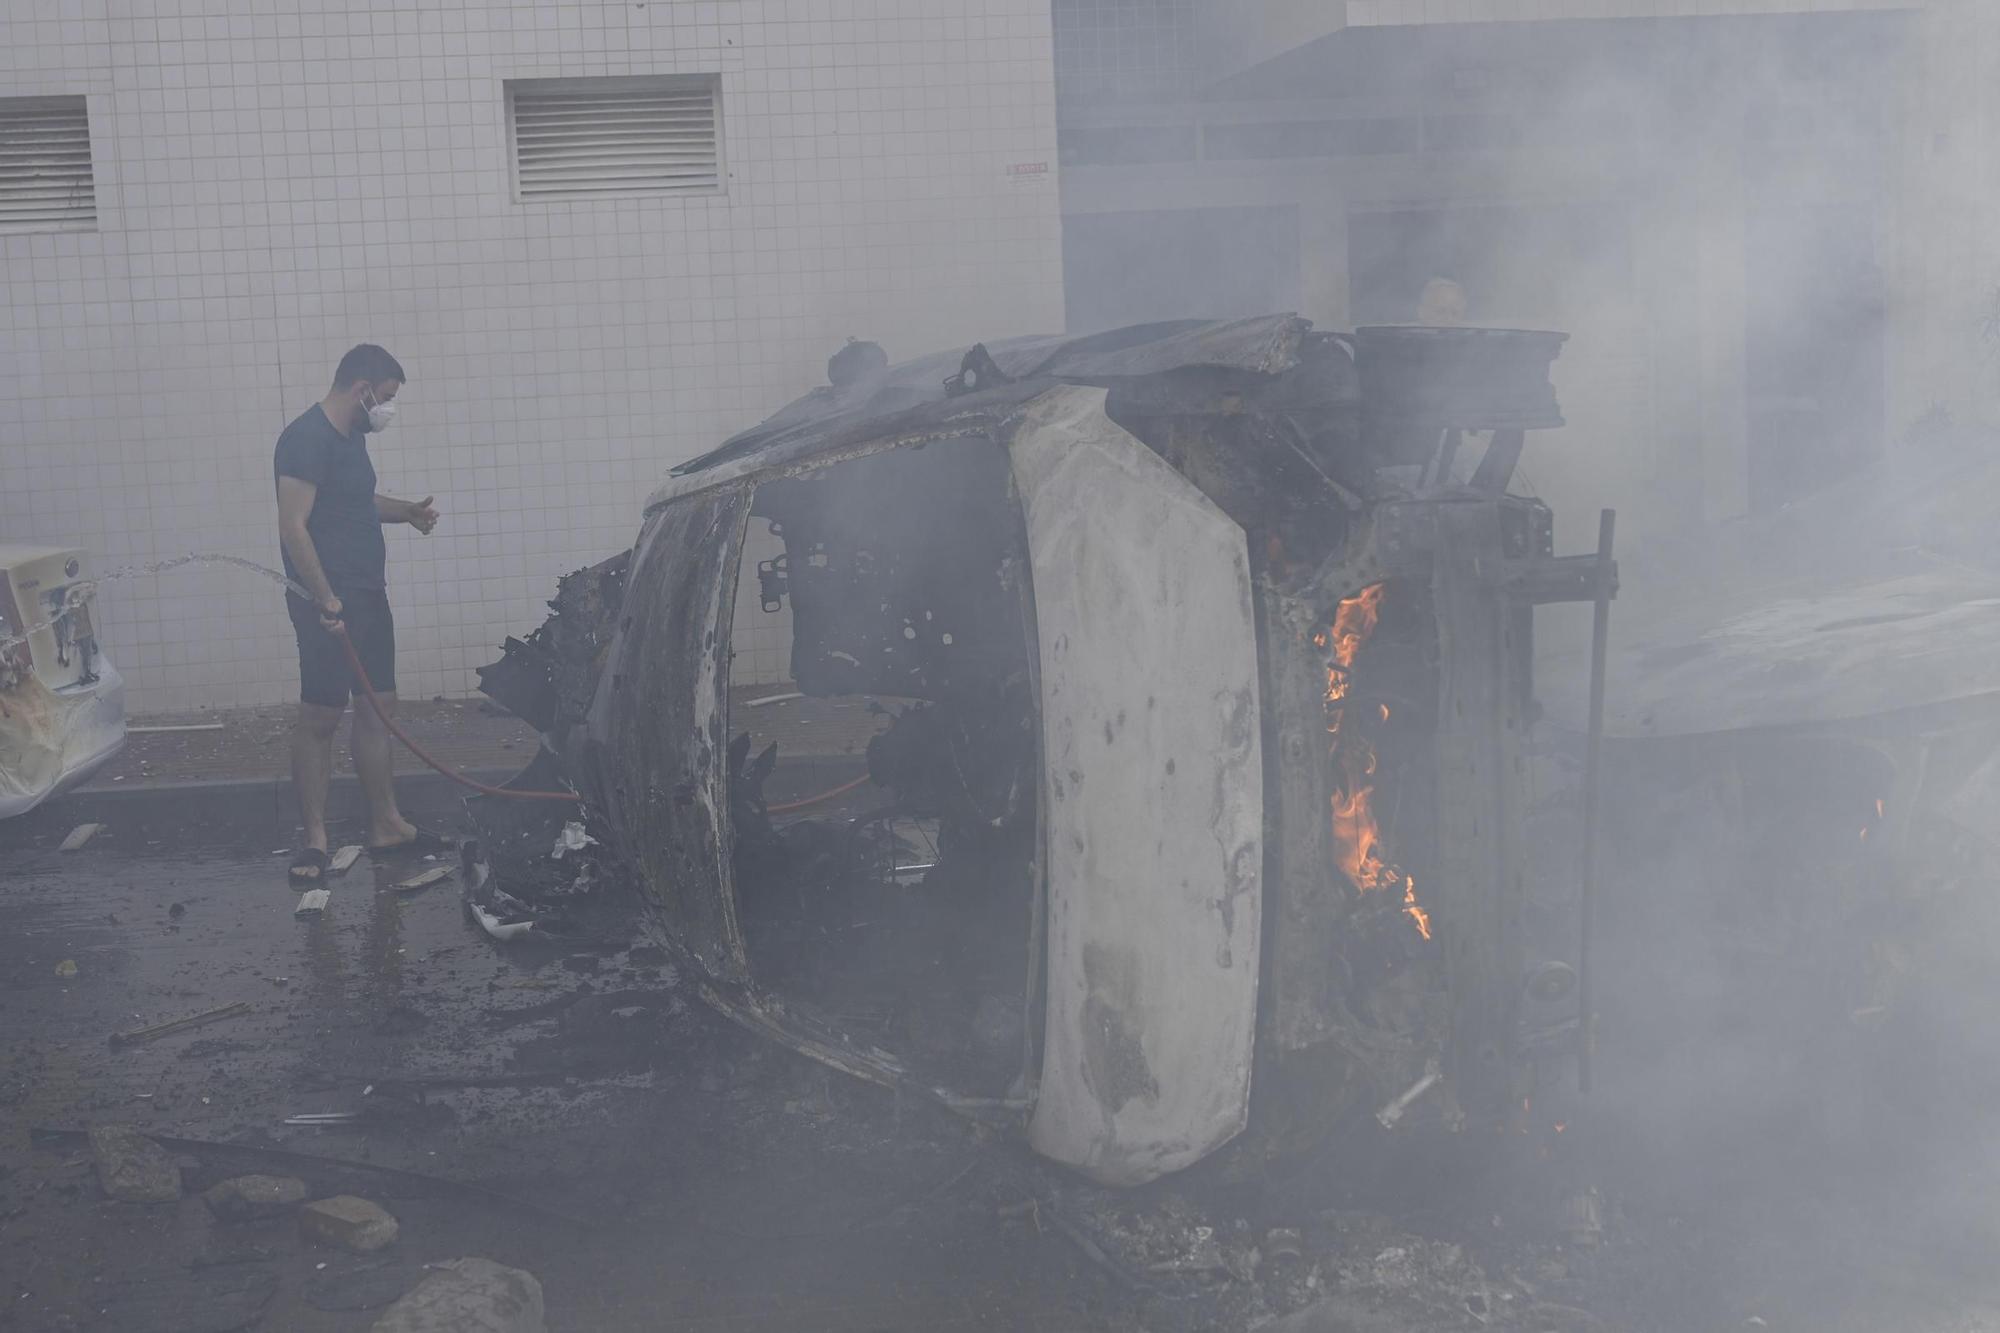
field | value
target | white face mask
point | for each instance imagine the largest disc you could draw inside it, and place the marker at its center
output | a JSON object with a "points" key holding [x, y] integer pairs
{"points": [[380, 415]]}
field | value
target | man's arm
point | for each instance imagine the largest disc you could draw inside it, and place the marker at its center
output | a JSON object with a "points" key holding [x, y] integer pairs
{"points": [[417, 513], [295, 505]]}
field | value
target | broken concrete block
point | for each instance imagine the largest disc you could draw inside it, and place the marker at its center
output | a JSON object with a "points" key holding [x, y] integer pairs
{"points": [[427, 878], [78, 836], [468, 1296], [312, 902], [243, 1197], [344, 859], [348, 1222], [133, 1168]]}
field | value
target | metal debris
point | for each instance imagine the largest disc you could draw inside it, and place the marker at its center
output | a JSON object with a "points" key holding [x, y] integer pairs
{"points": [[1390, 1114], [181, 1024], [499, 913]]}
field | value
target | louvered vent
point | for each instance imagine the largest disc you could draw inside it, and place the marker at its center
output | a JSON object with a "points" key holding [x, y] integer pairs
{"points": [[45, 182], [601, 138]]}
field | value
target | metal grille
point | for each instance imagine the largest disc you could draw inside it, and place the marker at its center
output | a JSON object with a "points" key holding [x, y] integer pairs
{"points": [[598, 138], [45, 179]]}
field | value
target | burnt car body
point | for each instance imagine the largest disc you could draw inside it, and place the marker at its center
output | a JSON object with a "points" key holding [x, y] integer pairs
{"points": [[1211, 682]]}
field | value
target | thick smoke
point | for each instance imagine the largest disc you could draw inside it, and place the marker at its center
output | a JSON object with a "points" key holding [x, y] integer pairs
{"points": [[1762, 234]]}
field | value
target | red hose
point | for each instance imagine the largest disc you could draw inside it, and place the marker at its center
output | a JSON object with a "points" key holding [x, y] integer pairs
{"points": [[841, 790], [515, 793], [368, 692]]}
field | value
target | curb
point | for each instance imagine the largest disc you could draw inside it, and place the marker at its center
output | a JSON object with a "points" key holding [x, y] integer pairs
{"points": [[266, 807], [237, 805]]}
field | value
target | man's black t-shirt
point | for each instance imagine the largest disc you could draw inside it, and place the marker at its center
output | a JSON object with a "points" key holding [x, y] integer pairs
{"points": [[344, 526]]}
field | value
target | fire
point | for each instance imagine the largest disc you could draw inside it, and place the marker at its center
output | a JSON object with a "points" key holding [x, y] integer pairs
{"points": [[1357, 833], [1412, 910], [1353, 622]]}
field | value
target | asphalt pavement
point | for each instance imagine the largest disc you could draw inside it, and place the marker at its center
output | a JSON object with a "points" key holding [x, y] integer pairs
{"points": [[576, 1113]]}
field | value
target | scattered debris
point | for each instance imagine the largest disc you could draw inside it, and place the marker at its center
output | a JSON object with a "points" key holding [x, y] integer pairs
{"points": [[241, 1198], [66, 968], [79, 835], [180, 1024], [175, 911], [1393, 1112], [323, 1118], [131, 1167], [312, 902], [424, 880], [469, 1294], [347, 1222], [573, 838], [772, 699], [185, 726], [343, 860], [499, 913]]}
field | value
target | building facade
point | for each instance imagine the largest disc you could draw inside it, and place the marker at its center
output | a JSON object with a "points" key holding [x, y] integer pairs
{"points": [[1763, 223], [601, 237]]}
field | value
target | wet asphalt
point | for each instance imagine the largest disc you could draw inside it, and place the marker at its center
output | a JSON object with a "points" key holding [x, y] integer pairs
{"points": [[653, 1166], [577, 1112]]}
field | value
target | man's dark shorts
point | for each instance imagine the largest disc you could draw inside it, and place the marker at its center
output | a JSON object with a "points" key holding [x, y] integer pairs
{"points": [[325, 677]]}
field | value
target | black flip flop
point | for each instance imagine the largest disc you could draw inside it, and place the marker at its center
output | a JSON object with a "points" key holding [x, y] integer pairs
{"points": [[313, 859], [425, 843]]}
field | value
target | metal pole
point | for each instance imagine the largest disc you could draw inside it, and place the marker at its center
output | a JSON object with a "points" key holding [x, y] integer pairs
{"points": [[1600, 638]]}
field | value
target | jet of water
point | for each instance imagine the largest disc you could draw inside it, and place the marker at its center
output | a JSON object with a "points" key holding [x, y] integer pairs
{"points": [[81, 592]]}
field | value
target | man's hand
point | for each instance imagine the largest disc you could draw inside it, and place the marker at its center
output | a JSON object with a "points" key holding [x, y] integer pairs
{"points": [[420, 515], [329, 614]]}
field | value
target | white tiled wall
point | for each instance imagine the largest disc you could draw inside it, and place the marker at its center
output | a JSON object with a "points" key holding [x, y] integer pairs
{"points": [[279, 179]]}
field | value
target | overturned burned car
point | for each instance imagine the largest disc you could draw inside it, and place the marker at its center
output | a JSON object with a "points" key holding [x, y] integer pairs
{"points": [[1197, 678]]}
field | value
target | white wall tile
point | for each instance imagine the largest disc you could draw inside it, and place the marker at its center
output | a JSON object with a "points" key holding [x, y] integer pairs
{"points": [[274, 187]]}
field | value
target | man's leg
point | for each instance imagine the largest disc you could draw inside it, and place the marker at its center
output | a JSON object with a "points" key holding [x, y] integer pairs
{"points": [[312, 766], [371, 630], [374, 764]]}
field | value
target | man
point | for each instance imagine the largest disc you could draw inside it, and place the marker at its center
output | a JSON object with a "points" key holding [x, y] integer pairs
{"points": [[330, 520]]}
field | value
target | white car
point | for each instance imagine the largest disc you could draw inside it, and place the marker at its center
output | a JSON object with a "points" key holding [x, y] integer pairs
{"points": [[62, 704]]}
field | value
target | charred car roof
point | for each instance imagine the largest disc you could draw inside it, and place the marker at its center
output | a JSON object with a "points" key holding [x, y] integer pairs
{"points": [[924, 399]]}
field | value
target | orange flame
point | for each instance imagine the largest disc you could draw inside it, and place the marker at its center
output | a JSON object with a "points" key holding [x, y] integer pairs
{"points": [[1357, 834], [1353, 622], [1412, 910]]}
